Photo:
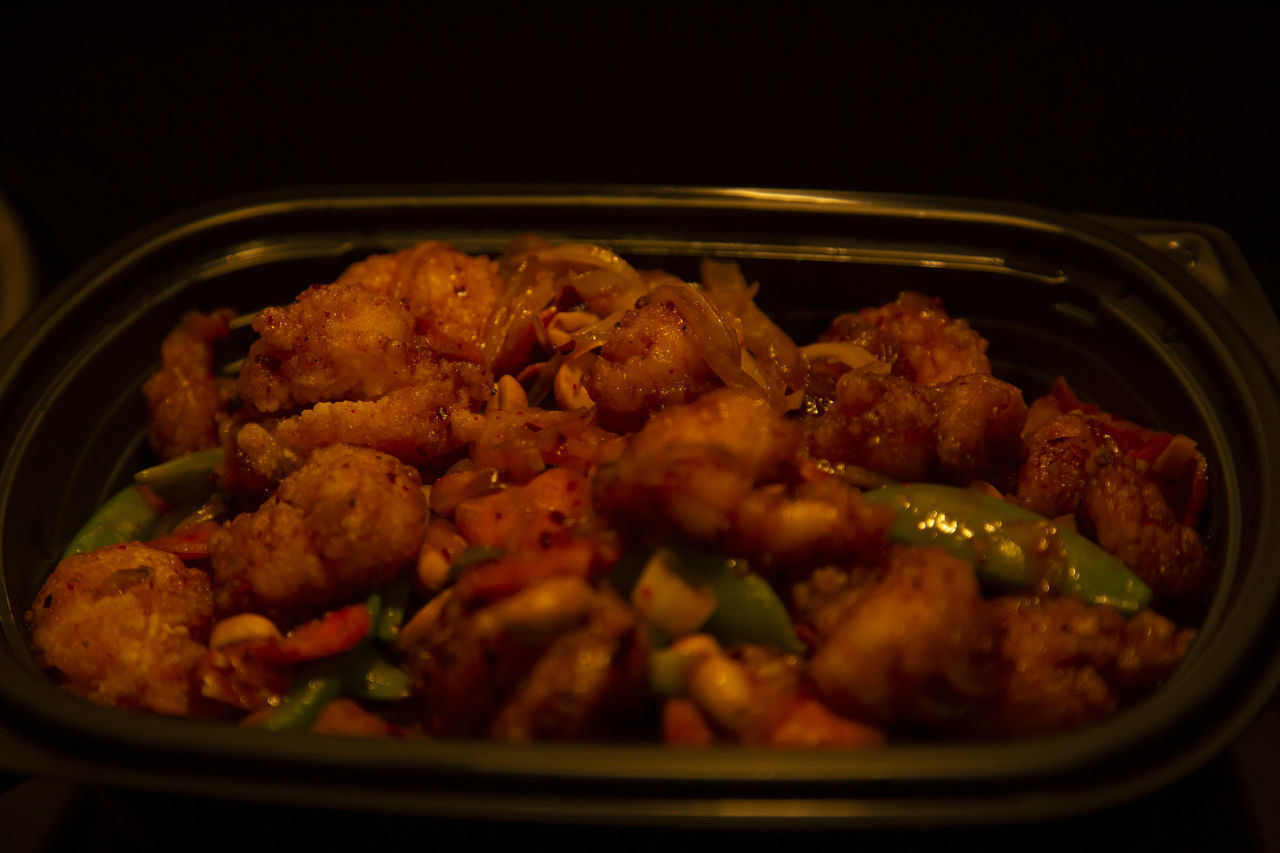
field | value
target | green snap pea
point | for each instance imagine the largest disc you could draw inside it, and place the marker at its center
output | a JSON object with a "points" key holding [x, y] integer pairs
{"points": [[747, 609], [1010, 547], [474, 555], [361, 672], [127, 516], [186, 479], [381, 680], [395, 599], [303, 704]]}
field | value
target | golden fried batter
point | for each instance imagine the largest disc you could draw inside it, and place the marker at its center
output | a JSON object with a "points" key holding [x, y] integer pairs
{"points": [[183, 396], [1068, 663], [979, 429], [818, 523], [1057, 458], [588, 680], [690, 466], [883, 423], [448, 293], [125, 625], [413, 424], [347, 522], [336, 342], [916, 645], [1130, 518], [655, 359], [915, 335], [967, 428]]}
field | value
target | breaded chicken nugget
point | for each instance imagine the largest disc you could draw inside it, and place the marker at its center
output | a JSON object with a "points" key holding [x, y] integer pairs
{"points": [[345, 523], [124, 625]]}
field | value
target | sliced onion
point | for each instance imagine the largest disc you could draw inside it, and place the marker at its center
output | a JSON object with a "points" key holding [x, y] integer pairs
{"points": [[570, 393], [595, 335], [715, 341], [515, 323], [561, 327], [857, 357]]}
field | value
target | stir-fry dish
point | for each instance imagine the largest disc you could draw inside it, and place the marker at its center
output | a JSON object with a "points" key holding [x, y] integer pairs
{"points": [[554, 497]]}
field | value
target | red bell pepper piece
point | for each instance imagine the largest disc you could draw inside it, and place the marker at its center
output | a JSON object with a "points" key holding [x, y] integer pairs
{"points": [[188, 543], [333, 633]]}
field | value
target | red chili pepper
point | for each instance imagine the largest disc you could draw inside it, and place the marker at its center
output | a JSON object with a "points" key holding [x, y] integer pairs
{"points": [[333, 633], [188, 543]]}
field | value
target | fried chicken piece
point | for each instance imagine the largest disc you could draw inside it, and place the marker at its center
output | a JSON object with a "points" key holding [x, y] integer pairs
{"points": [[916, 645], [1128, 515], [661, 355], [883, 423], [125, 625], [690, 466], [183, 396], [965, 429], [979, 429], [916, 336], [587, 683], [521, 443], [1068, 663], [820, 522], [485, 646], [1057, 458], [413, 424], [448, 293], [336, 342], [345, 523]]}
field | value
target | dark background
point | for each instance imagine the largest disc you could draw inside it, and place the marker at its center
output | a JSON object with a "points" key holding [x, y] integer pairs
{"points": [[113, 119]]}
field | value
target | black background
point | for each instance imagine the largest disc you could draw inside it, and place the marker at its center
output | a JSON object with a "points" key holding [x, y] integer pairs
{"points": [[113, 118]]}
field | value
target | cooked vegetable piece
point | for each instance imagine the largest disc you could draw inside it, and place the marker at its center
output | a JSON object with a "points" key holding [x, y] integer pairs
{"points": [[126, 517], [359, 671], [382, 681], [188, 479], [309, 696], [747, 609], [1010, 546], [189, 543], [474, 555], [669, 602], [395, 599]]}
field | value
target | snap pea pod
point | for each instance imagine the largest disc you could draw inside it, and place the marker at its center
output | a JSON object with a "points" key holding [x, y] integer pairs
{"points": [[1009, 546], [127, 516], [395, 599], [381, 680], [747, 609], [186, 479], [474, 555], [319, 683], [311, 692], [361, 672]]}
